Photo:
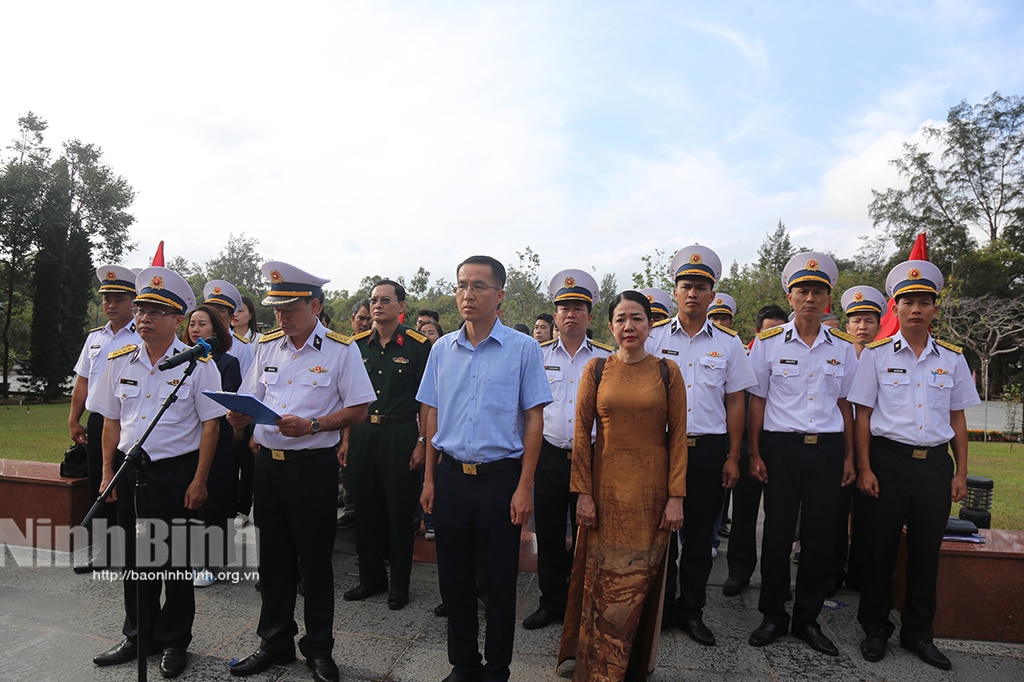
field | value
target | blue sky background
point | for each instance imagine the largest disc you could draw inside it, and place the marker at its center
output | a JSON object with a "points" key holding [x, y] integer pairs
{"points": [[358, 138]]}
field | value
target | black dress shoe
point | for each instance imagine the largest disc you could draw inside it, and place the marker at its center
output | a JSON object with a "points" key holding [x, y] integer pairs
{"points": [[812, 634], [928, 652], [398, 600], [540, 618], [172, 663], [873, 649], [462, 677], [699, 632], [324, 668], [126, 651], [261, 659], [361, 592], [733, 586], [766, 633], [441, 611]]}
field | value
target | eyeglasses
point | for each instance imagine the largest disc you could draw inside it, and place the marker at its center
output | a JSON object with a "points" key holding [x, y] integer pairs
{"points": [[475, 287], [383, 300], [151, 313]]}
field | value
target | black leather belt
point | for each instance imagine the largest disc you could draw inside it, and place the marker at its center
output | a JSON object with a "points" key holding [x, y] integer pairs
{"points": [[710, 439], [391, 418], [479, 469], [283, 455], [805, 438], [567, 452], [910, 450]]}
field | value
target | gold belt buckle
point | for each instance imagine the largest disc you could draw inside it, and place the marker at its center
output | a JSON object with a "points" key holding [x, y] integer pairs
{"points": [[374, 419], [810, 439], [920, 454], [568, 455], [277, 454], [691, 442], [469, 468]]}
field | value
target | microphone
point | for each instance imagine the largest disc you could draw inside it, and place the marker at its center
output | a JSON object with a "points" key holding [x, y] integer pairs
{"points": [[202, 349]]}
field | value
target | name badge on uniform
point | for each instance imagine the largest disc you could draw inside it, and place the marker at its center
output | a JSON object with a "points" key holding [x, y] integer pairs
{"points": [[895, 370], [270, 369], [787, 361], [129, 382], [669, 351], [553, 368], [95, 345]]}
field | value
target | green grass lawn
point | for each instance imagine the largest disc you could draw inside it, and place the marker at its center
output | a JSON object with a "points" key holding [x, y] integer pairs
{"points": [[40, 432]]}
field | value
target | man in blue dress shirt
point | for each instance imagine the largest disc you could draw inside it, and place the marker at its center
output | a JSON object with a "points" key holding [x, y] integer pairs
{"points": [[485, 390]]}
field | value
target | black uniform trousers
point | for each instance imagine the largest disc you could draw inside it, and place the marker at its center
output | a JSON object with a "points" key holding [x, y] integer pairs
{"points": [[166, 483], [472, 518], [385, 492], [552, 505], [741, 554], [295, 501], [244, 466], [218, 512], [916, 491], [701, 507], [94, 465], [803, 478]]}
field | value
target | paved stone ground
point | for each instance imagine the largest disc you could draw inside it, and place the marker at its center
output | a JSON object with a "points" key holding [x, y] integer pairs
{"points": [[52, 622]]}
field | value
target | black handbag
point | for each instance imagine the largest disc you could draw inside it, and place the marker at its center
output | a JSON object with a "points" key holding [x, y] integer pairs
{"points": [[955, 526], [74, 464]]}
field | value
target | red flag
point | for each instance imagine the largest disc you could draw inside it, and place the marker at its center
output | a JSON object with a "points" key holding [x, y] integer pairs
{"points": [[158, 258], [890, 324]]}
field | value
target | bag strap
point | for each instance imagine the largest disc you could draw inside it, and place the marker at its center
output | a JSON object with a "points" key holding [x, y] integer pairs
{"points": [[599, 370]]}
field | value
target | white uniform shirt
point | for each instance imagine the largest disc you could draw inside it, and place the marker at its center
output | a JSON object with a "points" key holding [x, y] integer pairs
{"points": [[911, 396], [322, 377], [243, 352], [802, 384], [713, 363], [98, 344], [131, 390], [564, 374]]}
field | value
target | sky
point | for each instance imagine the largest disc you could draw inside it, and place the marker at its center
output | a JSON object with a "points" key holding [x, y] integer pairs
{"points": [[373, 138]]}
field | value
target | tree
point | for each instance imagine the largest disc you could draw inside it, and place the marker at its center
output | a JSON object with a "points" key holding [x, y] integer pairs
{"points": [[776, 250], [99, 202], [239, 263], [656, 273], [525, 295], [975, 186], [988, 326], [21, 189]]}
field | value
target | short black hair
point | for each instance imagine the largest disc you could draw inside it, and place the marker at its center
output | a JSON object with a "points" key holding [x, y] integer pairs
{"points": [[497, 269], [547, 317], [769, 312], [365, 303], [427, 312], [399, 289], [630, 295]]}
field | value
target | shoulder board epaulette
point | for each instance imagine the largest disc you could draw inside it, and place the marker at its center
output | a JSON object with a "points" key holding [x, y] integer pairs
{"points": [[548, 342], [948, 346], [362, 335], [94, 329], [728, 331], [130, 348], [241, 338], [839, 334], [205, 358], [770, 332], [416, 336], [270, 336], [661, 322], [603, 346], [340, 338], [879, 342]]}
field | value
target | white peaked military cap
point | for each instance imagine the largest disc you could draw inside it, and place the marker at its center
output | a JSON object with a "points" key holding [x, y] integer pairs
{"points": [[696, 261], [165, 287], [573, 285], [660, 301], [809, 266], [914, 276], [222, 293], [724, 304], [288, 283], [116, 279], [863, 299]]}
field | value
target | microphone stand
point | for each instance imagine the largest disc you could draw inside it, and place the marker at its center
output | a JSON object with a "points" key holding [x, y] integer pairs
{"points": [[138, 460]]}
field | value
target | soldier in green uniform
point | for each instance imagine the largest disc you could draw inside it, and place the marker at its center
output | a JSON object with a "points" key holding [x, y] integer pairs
{"points": [[386, 452]]}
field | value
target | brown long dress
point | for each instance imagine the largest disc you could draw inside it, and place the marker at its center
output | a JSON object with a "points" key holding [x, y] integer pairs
{"points": [[613, 615]]}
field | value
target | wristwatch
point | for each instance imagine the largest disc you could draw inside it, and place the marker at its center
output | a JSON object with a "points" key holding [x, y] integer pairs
{"points": [[422, 439], [314, 425]]}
